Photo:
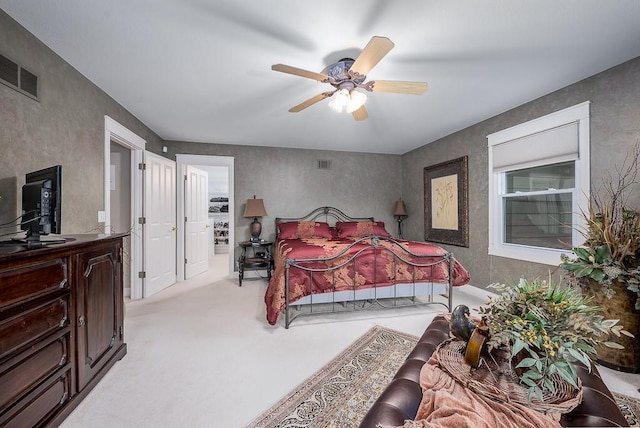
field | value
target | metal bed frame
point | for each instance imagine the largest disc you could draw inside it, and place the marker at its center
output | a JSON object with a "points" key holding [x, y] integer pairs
{"points": [[389, 296]]}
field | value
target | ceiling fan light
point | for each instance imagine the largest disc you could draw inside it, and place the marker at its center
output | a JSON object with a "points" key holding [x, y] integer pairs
{"points": [[340, 101], [336, 106], [356, 101]]}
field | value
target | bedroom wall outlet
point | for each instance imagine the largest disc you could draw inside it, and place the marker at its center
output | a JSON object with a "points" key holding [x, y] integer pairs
{"points": [[102, 216]]}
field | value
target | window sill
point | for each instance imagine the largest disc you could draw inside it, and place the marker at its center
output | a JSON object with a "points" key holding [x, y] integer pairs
{"points": [[529, 254]]}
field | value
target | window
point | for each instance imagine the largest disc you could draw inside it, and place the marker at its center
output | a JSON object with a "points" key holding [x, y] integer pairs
{"points": [[538, 182]]}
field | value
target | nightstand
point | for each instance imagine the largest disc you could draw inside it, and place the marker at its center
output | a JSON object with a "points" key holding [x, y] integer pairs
{"points": [[260, 258]]}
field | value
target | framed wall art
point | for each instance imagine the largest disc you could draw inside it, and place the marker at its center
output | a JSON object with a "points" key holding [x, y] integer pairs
{"points": [[446, 202]]}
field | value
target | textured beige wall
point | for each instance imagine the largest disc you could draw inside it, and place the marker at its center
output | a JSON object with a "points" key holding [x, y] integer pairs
{"points": [[359, 184], [66, 127], [615, 127]]}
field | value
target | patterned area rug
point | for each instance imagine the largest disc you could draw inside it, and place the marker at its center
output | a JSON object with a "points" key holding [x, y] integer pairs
{"points": [[630, 408], [340, 393]]}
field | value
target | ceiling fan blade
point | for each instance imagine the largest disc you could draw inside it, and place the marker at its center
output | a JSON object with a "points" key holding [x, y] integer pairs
{"points": [[413, 88], [300, 72], [375, 50], [310, 102], [360, 114]]}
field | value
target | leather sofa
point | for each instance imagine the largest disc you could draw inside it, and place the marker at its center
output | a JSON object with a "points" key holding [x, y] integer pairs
{"points": [[400, 400]]}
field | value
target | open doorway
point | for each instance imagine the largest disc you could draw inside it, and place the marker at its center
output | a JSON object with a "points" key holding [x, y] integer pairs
{"points": [[120, 209], [128, 141], [221, 211], [152, 212], [218, 209]]}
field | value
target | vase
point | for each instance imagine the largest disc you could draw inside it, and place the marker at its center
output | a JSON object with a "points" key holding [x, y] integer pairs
{"points": [[619, 306]]}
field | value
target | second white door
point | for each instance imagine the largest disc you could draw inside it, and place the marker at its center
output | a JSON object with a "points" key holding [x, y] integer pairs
{"points": [[196, 224], [159, 230]]}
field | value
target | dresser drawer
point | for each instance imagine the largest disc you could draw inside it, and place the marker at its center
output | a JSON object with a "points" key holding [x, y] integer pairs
{"points": [[27, 370], [29, 281], [33, 324], [41, 405]]}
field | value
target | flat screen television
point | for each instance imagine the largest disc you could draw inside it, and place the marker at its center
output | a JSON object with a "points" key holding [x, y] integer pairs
{"points": [[42, 206]]}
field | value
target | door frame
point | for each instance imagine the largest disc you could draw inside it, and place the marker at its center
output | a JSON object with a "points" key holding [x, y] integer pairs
{"points": [[203, 160], [113, 131]]}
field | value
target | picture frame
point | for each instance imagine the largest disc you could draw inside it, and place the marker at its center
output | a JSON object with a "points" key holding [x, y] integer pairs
{"points": [[446, 202]]}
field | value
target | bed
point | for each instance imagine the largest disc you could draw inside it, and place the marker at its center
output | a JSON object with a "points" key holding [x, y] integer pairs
{"points": [[328, 262]]}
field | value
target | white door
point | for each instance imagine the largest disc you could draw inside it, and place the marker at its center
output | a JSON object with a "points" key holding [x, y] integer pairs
{"points": [[160, 223], [196, 221]]}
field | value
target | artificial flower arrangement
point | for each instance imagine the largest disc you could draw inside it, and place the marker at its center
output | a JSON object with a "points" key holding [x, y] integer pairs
{"points": [[547, 326], [610, 255]]}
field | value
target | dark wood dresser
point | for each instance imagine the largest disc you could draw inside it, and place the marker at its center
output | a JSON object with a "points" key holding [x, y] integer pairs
{"points": [[61, 326]]}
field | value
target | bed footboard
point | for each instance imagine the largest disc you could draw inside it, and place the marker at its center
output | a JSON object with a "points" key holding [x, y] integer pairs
{"points": [[372, 273]]}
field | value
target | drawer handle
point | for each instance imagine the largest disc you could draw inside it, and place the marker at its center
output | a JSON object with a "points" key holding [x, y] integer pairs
{"points": [[64, 397], [81, 321], [63, 360], [63, 322]]}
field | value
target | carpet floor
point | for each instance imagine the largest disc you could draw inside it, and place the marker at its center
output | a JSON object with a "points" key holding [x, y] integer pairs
{"points": [[200, 354], [630, 408], [340, 394]]}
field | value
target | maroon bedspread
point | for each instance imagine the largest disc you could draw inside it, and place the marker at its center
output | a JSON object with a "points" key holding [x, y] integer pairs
{"points": [[373, 268]]}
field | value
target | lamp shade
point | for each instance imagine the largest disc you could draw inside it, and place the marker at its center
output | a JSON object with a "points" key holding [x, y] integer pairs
{"points": [[254, 208], [399, 209]]}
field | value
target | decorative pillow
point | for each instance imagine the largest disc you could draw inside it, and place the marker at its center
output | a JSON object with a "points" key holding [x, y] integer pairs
{"points": [[360, 229], [303, 229]]}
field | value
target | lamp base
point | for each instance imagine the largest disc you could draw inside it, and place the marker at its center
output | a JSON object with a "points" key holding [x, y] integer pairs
{"points": [[255, 229], [400, 219]]}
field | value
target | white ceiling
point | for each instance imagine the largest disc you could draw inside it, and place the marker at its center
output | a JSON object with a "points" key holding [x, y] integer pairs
{"points": [[200, 71]]}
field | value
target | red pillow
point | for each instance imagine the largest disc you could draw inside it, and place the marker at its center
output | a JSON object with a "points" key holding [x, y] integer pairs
{"points": [[360, 229], [303, 229]]}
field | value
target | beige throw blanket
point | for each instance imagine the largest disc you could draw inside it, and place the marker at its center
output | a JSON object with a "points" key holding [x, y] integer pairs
{"points": [[446, 403]]}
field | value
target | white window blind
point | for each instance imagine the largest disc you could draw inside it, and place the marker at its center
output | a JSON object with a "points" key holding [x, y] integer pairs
{"points": [[553, 145]]}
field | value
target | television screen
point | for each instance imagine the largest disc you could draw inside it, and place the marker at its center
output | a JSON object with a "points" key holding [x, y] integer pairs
{"points": [[42, 203]]}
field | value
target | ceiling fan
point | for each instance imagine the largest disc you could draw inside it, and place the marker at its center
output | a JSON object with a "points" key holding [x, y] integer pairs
{"points": [[348, 74]]}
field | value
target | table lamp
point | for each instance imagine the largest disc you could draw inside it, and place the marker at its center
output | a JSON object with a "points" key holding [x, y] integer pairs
{"points": [[400, 212], [255, 208]]}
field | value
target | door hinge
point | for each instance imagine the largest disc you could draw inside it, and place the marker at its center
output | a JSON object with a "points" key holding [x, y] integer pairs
{"points": [[185, 177], [121, 332], [185, 261], [142, 220], [185, 219], [142, 166], [142, 274]]}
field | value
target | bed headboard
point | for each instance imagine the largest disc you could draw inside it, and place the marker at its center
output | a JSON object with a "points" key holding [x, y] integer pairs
{"points": [[326, 214]]}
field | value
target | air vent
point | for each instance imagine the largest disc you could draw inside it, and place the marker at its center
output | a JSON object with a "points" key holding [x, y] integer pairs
{"points": [[324, 164], [17, 77], [9, 71]]}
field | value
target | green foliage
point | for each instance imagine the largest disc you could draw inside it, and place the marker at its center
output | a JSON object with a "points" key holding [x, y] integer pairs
{"points": [[552, 325], [597, 263], [611, 252]]}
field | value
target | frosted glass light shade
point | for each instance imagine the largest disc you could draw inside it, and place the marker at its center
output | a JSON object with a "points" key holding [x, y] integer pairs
{"points": [[357, 100], [340, 100]]}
